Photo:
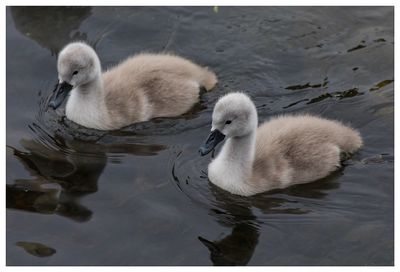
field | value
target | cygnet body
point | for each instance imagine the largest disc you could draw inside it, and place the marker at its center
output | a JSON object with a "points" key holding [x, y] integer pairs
{"points": [[138, 89], [284, 151]]}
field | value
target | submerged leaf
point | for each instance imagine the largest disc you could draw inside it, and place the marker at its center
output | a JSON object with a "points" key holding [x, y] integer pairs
{"points": [[36, 249]]}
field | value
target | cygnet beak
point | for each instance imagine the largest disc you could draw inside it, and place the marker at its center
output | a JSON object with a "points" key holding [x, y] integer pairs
{"points": [[213, 139], [59, 94]]}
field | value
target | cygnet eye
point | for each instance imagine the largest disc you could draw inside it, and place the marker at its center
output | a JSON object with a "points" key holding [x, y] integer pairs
{"points": [[228, 122], [75, 72]]}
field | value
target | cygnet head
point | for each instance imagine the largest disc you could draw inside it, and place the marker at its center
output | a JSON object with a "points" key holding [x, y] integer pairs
{"points": [[78, 64], [235, 116]]}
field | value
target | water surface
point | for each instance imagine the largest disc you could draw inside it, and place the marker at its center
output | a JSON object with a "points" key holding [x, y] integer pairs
{"points": [[139, 195]]}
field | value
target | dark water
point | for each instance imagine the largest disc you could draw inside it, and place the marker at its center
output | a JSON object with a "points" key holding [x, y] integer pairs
{"points": [[139, 196]]}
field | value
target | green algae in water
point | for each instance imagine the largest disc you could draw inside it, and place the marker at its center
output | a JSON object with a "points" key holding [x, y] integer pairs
{"points": [[381, 84], [348, 93], [308, 85], [340, 95]]}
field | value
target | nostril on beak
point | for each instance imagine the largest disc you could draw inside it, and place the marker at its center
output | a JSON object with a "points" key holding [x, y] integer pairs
{"points": [[52, 105], [202, 151]]}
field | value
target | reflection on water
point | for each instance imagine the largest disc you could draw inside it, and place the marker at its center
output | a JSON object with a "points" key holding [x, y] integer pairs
{"points": [[74, 175], [235, 249], [62, 22], [238, 247], [236, 212], [74, 166]]}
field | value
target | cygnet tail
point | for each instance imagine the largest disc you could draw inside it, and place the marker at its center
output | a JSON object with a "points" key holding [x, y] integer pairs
{"points": [[208, 79], [351, 140]]}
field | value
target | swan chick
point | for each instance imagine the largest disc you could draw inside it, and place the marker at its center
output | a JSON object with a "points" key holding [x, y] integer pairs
{"points": [[142, 87], [284, 151]]}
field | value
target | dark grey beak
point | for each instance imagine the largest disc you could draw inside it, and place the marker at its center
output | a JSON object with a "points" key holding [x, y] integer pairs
{"points": [[213, 139], [59, 94]]}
